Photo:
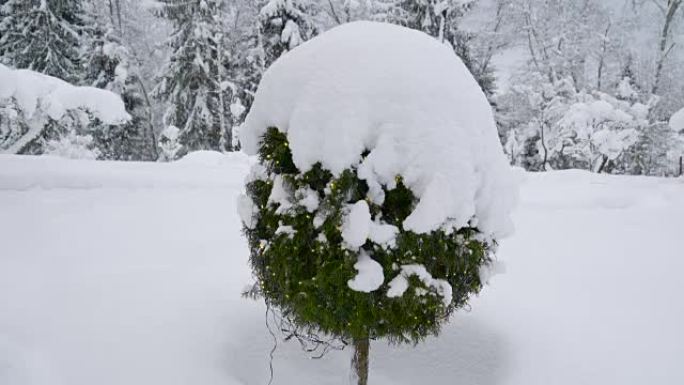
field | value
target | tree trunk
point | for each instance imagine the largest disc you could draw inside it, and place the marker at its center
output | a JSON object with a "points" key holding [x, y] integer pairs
{"points": [[602, 60], [360, 362], [604, 161], [663, 49], [150, 118], [546, 151]]}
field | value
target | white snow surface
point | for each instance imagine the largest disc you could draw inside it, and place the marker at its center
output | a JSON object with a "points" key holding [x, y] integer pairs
{"points": [[130, 273], [32, 90], [369, 277], [677, 121], [407, 99]]}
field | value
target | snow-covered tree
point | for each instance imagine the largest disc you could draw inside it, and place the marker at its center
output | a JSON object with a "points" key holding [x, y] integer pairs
{"points": [[43, 36], [492, 26], [285, 24], [596, 130], [109, 66], [194, 82], [338, 12], [244, 44], [606, 51], [435, 17], [567, 128], [137, 28], [559, 36], [368, 215], [168, 143], [546, 103], [671, 10], [40, 112]]}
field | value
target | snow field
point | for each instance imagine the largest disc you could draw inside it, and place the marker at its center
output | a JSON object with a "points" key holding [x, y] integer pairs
{"points": [[130, 273]]}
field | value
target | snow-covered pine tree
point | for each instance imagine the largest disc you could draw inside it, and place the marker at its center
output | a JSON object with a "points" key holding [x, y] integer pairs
{"points": [[247, 62], [281, 25], [194, 83], [108, 65], [369, 216], [285, 24], [43, 36]]}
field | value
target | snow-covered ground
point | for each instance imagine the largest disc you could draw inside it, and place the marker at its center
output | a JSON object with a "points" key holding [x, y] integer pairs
{"points": [[130, 273]]}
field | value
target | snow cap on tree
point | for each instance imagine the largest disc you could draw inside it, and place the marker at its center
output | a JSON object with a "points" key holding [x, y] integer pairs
{"points": [[382, 187]]}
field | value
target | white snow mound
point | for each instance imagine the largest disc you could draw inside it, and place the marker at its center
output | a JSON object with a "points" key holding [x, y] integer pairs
{"points": [[32, 90], [677, 121], [408, 100]]}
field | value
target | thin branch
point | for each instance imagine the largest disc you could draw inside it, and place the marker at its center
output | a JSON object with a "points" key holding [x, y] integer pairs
{"points": [[334, 12]]}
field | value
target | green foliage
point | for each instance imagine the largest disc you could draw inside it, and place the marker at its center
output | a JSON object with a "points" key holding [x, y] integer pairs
{"points": [[305, 274]]}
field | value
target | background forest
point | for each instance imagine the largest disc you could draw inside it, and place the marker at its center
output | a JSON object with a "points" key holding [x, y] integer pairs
{"points": [[587, 84]]}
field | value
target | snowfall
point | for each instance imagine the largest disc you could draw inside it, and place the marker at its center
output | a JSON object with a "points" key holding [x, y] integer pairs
{"points": [[131, 273]]}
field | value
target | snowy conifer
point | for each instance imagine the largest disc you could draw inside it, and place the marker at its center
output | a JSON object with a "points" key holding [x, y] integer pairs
{"points": [[247, 62], [168, 143], [109, 66], [43, 36], [193, 83], [285, 24]]}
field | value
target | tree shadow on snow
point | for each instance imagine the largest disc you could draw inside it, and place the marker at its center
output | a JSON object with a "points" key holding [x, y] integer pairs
{"points": [[467, 352]]}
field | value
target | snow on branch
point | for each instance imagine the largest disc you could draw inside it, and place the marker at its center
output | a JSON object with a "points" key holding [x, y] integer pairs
{"points": [[29, 101], [33, 91]]}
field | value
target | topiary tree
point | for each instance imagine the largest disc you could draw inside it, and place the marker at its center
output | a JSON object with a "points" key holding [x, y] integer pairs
{"points": [[324, 234]]}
